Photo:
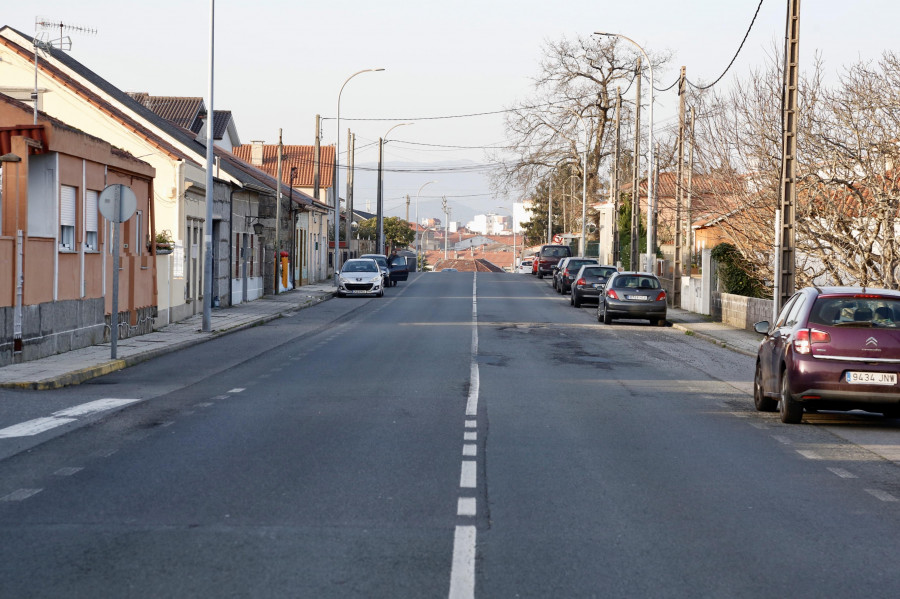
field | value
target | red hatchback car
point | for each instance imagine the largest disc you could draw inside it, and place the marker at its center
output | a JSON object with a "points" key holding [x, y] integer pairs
{"points": [[832, 348]]}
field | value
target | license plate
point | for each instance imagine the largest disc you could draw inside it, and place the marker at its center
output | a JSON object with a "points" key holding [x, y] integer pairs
{"points": [[639, 297], [872, 378], [360, 291]]}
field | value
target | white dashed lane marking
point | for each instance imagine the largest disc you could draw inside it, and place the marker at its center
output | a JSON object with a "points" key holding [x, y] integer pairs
{"points": [[20, 494], [465, 506], [842, 473], [882, 495], [41, 425]]}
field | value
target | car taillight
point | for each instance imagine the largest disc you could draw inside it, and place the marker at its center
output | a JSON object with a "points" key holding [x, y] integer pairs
{"points": [[580, 281], [806, 337], [612, 293], [661, 296]]}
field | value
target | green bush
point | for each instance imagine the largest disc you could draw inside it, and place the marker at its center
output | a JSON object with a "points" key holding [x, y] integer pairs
{"points": [[734, 272]]}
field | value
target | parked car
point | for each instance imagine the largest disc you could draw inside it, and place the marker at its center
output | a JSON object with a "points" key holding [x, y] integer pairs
{"points": [[399, 268], [589, 283], [525, 266], [382, 261], [632, 295], [554, 272], [834, 348], [566, 275], [548, 257], [360, 276]]}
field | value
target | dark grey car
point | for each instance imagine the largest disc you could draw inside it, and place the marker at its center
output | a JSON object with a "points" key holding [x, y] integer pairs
{"points": [[589, 283], [632, 295], [567, 273]]}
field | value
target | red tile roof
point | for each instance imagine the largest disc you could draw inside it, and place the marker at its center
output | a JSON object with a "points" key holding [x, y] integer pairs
{"points": [[299, 157]]}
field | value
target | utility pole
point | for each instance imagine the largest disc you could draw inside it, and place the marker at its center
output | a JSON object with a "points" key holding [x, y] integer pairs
{"points": [[614, 187], [379, 203], [679, 195], [407, 207], [550, 212], [689, 233], [348, 229], [446, 223], [635, 174], [278, 216], [317, 155], [786, 264]]}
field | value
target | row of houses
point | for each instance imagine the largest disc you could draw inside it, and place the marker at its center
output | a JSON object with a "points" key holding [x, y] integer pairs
{"points": [[66, 133]]}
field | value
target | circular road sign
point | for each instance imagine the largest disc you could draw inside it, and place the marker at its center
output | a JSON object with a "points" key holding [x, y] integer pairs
{"points": [[121, 195]]}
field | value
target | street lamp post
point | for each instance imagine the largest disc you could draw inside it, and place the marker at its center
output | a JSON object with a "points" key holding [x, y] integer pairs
{"points": [[335, 178], [379, 207], [417, 220], [651, 201]]}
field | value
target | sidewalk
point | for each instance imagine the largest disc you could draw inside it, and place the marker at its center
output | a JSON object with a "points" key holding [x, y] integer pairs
{"points": [[77, 366], [701, 326]]}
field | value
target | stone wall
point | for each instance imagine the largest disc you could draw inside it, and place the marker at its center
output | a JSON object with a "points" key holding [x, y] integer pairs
{"points": [[52, 328], [739, 311]]}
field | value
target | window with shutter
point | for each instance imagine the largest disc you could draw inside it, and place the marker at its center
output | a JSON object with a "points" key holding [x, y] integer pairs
{"points": [[68, 202], [91, 220]]}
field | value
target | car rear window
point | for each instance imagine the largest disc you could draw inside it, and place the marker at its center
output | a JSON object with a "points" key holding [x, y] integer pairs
{"points": [[556, 252], [858, 310], [598, 271], [576, 264], [636, 282]]}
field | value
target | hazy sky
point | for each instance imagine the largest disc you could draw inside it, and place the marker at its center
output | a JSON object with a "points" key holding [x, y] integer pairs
{"points": [[280, 62]]}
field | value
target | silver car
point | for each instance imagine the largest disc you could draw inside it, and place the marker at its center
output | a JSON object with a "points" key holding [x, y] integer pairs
{"points": [[632, 295], [360, 276]]}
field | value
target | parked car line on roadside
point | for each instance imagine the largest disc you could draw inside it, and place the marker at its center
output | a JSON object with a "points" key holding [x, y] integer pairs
{"points": [[632, 295]]}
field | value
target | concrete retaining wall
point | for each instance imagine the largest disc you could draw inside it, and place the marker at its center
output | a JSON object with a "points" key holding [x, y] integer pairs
{"points": [[739, 311]]}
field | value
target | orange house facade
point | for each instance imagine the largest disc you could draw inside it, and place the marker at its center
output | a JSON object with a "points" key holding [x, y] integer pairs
{"points": [[56, 248]]}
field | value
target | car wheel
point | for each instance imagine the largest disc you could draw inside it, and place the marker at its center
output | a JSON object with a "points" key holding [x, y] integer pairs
{"points": [[762, 403], [791, 410], [607, 319], [599, 315], [661, 322], [576, 301], [540, 275]]}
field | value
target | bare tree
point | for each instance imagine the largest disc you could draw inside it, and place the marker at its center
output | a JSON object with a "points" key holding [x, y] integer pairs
{"points": [[576, 81]]}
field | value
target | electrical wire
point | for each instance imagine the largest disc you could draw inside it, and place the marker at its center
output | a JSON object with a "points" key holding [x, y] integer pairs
{"points": [[743, 41]]}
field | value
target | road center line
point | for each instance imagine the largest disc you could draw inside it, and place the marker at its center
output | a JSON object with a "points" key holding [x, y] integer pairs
{"points": [[462, 578]]}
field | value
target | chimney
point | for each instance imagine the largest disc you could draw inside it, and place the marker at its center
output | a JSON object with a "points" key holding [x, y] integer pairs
{"points": [[256, 152]]}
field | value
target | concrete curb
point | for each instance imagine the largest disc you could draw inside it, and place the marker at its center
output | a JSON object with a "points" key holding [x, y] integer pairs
{"points": [[712, 339]]}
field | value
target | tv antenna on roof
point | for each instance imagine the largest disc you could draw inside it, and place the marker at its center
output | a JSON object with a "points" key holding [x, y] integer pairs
{"points": [[44, 44]]}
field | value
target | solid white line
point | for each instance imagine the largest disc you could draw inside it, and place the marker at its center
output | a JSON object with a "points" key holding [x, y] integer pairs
{"points": [[470, 436], [467, 475], [33, 427], [462, 575], [842, 473], [882, 495], [465, 506], [93, 406], [470, 449]]}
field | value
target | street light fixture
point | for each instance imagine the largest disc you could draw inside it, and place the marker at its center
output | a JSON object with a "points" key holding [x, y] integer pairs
{"points": [[335, 178], [417, 220], [651, 202], [379, 208]]}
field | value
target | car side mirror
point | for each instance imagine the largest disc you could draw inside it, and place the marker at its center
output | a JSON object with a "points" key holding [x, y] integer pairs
{"points": [[761, 327]]}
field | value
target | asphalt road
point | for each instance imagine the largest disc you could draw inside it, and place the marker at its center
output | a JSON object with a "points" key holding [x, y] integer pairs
{"points": [[459, 437]]}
